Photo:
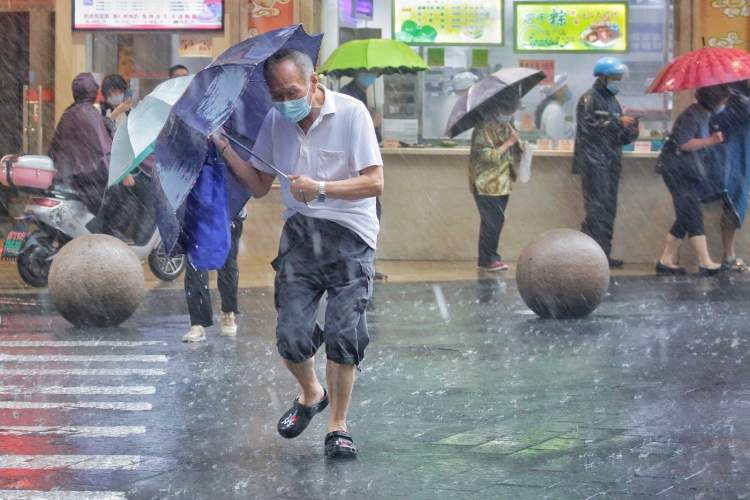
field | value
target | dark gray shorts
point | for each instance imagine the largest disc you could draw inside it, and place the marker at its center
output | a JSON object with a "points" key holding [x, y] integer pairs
{"points": [[317, 256]]}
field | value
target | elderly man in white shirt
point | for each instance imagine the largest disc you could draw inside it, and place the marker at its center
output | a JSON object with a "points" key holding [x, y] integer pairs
{"points": [[324, 143]]}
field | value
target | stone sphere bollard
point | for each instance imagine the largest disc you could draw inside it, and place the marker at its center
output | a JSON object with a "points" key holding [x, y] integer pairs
{"points": [[562, 274], [96, 281]]}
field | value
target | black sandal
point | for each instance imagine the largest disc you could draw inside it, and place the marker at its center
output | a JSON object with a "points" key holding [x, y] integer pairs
{"points": [[339, 444], [297, 418]]}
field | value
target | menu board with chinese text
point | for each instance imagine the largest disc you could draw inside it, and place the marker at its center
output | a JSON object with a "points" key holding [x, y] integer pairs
{"points": [[448, 22], [571, 27], [136, 15]]}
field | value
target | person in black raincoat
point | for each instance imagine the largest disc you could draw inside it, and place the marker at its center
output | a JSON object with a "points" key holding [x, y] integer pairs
{"points": [[601, 132]]}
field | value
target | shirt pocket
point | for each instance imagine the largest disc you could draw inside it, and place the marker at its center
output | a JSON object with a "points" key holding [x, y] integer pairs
{"points": [[332, 165]]}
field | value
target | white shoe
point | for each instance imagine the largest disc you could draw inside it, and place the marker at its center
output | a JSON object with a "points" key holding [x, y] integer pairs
{"points": [[228, 325], [196, 334]]}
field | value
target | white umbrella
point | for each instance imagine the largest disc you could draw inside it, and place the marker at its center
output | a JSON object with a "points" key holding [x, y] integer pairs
{"points": [[135, 139]]}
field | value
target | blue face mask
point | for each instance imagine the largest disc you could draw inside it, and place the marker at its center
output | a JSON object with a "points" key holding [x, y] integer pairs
{"points": [[613, 87], [295, 110], [719, 109], [366, 79], [504, 119]]}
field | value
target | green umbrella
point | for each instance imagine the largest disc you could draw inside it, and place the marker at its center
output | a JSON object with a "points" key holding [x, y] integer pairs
{"points": [[135, 139], [373, 55]]}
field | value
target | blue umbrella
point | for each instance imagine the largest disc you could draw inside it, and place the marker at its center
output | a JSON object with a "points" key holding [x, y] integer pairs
{"points": [[230, 92]]}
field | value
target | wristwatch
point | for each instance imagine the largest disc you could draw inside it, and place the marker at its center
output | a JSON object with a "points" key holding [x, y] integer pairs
{"points": [[322, 192]]}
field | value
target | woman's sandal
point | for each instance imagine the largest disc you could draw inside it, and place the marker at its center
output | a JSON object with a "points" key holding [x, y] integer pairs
{"points": [[339, 444], [737, 265]]}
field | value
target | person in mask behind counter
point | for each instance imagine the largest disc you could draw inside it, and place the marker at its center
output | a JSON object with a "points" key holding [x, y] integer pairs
{"points": [[549, 117], [357, 89]]}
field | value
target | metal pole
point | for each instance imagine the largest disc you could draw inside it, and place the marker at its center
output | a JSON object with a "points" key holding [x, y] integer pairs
{"points": [[25, 120], [40, 125]]}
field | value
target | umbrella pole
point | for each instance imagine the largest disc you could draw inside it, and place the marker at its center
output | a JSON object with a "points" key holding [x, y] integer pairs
{"points": [[250, 152]]}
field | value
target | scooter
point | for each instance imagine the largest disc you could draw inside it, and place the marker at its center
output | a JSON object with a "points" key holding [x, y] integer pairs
{"points": [[53, 216]]}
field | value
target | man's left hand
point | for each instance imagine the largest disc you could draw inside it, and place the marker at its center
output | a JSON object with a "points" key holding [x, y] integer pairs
{"points": [[303, 188]]}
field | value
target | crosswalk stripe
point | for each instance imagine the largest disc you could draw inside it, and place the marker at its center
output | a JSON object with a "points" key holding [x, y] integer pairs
{"points": [[132, 390], [76, 358], [75, 462], [103, 372], [80, 343], [73, 405], [61, 495], [84, 431]]}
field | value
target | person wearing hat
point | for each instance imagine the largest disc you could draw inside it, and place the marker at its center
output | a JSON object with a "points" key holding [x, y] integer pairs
{"points": [[462, 82], [549, 117], [601, 132]]}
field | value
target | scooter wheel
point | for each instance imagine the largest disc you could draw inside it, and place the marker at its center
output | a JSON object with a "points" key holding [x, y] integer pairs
{"points": [[164, 267], [34, 262]]}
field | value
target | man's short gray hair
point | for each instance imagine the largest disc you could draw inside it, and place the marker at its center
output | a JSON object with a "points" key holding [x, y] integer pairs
{"points": [[301, 60]]}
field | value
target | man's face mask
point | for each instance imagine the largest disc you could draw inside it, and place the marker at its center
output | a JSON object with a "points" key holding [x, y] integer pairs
{"points": [[295, 110], [366, 79], [613, 86]]}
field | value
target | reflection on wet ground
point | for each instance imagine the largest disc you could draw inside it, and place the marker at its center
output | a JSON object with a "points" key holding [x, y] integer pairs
{"points": [[464, 394]]}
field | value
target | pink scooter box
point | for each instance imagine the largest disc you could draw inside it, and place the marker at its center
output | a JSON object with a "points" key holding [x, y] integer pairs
{"points": [[29, 171]]}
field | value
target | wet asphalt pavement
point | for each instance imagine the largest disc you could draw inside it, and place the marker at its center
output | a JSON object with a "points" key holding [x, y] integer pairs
{"points": [[463, 394]]}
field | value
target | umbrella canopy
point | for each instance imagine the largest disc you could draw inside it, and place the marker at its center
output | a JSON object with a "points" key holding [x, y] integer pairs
{"points": [[484, 96], [373, 55], [230, 92], [135, 139], [703, 68]]}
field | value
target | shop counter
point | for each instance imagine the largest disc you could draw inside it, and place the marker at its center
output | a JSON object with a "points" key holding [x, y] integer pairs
{"points": [[429, 213]]}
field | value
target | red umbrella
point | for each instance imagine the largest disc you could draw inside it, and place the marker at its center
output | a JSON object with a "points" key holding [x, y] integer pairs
{"points": [[703, 68]]}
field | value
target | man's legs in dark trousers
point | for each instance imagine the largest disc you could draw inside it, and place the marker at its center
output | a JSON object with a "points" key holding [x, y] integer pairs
{"points": [[197, 290], [198, 296], [600, 186], [492, 217]]}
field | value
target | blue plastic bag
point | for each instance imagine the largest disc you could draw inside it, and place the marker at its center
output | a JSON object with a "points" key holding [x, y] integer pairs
{"points": [[207, 223]]}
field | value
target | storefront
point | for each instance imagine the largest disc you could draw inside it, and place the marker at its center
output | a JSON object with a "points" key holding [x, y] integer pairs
{"points": [[141, 40]]}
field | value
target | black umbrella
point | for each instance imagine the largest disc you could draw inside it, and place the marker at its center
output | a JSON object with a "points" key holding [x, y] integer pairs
{"points": [[483, 98]]}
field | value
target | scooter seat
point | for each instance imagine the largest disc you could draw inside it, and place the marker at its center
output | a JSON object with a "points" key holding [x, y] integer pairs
{"points": [[64, 192]]}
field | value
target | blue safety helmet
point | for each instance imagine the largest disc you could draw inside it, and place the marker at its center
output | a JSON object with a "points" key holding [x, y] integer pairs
{"points": [[610, 66]]}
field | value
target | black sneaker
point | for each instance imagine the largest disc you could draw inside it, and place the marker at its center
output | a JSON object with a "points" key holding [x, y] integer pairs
{"points": [[615, 263], [339, 444], [297, 418]]}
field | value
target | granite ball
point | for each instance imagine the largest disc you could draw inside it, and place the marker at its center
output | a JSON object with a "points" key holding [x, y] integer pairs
{"points": [[562, 274], [96, 281]]}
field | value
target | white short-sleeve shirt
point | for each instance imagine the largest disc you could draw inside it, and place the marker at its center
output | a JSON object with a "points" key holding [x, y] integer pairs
{"points": [[339, 145]]}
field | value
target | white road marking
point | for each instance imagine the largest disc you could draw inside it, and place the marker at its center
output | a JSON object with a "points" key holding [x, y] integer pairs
{"points": [[104, 372], [61, 495], [77, 358], [76, 462], [112, 431], [74, 405], [132, 390], [79, 343]]}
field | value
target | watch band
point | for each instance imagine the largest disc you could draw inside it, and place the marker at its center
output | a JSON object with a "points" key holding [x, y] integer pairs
{"points": [[322, 192]]}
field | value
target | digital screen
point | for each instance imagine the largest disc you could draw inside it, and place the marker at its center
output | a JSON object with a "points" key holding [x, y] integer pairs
{"points": [[363, 9], [571, 27], [448, 22], [145, 15]]}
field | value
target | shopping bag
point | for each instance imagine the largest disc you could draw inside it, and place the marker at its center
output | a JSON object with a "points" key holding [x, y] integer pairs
{"points": [[207, 231]]}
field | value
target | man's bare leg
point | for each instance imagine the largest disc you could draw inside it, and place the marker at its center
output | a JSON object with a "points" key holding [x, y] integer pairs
{"points": [[340, 382], [312, 391]]}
